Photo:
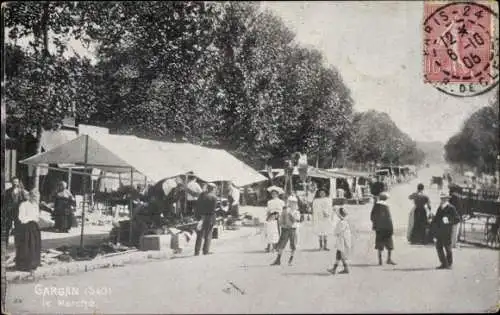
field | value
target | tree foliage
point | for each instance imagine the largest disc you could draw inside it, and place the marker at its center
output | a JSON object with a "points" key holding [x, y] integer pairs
{"points": [[476, 144], [376, 138], [222, 74]]}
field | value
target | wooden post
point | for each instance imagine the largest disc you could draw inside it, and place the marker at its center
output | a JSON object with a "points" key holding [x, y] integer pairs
{"points": [[84, 188], [91, 190], [130, 206], [69, 177]]}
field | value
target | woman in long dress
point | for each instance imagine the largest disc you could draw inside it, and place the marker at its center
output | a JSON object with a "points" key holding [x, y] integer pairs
{"points": [[420, 217], [322, 218], [274, 208], [28, 237], [63, 208]]}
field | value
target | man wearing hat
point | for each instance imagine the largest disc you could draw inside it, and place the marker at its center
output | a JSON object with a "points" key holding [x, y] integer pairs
{"points": [[289, 222], [205, 211], [442, 226], [382, 224]]}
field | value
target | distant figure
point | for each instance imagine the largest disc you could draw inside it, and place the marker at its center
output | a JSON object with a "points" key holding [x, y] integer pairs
{"points": [[382, 224], [28, 236], [63, 208], [322, 218], [234, 194], [205, 209], [193, 190], [442, 225], [449, 179], [376, 188], [274, 208], [289, 222], [343, 242], [419, 224], [14, 196]]}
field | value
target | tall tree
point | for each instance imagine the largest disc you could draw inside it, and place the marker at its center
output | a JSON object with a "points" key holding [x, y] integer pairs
{"points": [[376, 138], [476, 144], [45, 87]]}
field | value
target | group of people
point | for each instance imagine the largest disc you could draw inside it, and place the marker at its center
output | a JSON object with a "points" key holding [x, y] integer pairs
{"points": [[283, 220], [193, 191], [21, 218]]}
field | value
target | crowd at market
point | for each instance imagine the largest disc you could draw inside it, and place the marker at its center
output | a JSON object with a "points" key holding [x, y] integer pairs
{"points": [[286, 209]]}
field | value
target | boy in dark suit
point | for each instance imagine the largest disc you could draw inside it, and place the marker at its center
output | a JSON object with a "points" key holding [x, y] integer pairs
{"points": [[442, 225]]}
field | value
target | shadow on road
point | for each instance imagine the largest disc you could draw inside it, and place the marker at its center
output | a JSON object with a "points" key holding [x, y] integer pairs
{"points": [[255, 266], [321, 274], [363, 265], [411, 269], [310, 250], [256, 252]]}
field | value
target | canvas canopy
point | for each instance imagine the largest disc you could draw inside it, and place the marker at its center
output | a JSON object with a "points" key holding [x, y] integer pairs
{"points": [[311, 172], [155, 159], [350, 173]]}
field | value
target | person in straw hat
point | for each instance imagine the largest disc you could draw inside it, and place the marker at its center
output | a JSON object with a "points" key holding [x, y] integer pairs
{"points": [[289, 221], [271, 227], [442, 226], [322, 217], [342, 243], [384, 229]]}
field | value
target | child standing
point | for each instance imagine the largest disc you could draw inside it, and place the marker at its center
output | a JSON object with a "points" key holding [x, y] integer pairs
{"points": [[343, 242], [289, 222], [271, 227]]}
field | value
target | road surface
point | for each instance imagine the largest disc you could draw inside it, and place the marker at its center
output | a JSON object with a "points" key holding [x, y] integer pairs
{"points": [[239, 279]]}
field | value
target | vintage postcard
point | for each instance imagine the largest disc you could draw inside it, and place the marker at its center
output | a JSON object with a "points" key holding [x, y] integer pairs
{"points": [[253, 157]]}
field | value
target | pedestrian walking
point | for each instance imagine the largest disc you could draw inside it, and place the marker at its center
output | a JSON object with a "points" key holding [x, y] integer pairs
{"points": [[383, 227], [289, 222], [442, 226], [322, 217], [271, 226], [193, 191], [27, 235], [205, 210], [376, 188], [63, 208], [234, 197], [14, 196], [342, 242], [420, 214]]}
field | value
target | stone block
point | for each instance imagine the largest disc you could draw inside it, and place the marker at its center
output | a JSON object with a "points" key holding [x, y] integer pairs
{"points": [[155, 242]]}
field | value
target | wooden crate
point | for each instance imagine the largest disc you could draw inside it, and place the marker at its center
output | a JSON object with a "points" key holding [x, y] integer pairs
{"points": [[155, 242]]}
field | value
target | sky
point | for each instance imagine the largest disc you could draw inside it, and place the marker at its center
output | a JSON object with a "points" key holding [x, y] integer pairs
{"points": [[377, 48]]}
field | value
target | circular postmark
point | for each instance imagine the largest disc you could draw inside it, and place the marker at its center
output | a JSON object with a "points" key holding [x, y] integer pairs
{"points": [[461, 48]]}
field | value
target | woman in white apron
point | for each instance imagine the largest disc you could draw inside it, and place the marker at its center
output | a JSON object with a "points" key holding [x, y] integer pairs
{"points": [[271, 227], [322, 218]]}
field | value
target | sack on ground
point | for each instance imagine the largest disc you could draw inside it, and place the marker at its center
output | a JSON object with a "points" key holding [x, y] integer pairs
{"points": [[199, 225]]}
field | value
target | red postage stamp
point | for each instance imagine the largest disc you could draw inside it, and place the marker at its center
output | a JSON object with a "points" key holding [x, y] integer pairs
{"points": [[460, 47]]}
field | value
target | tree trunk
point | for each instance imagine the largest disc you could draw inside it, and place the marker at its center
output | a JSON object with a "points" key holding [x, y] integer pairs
{"points": [[45, 52], [36, 177], [4, 235], [45, 30]]}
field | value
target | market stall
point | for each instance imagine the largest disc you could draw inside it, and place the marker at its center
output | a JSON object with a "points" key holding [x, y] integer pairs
{"points": [[358, 183], [129, 154]]}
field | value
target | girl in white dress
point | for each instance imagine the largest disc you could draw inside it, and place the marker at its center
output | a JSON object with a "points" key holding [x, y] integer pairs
{"points": [[323, 218], [271, 227], [343, 242]]}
